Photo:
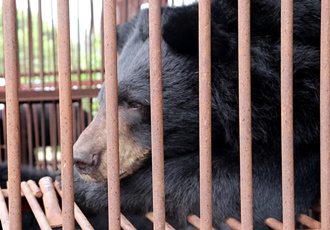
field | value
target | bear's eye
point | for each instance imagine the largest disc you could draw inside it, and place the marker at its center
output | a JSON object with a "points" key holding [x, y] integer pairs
{"points": [[134, 105]]}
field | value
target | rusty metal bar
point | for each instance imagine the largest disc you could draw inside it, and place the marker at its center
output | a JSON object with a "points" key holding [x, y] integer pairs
{"points": [[23, 47], [78, 214], [325, 114], [65, 96], [156, 99], [12, 109], [287, 113], [78, 46], [29, 133], [40, 96], [90, 109], [54, 47], [244, 78], [102, 45], [30, 47], [81, 118], [4, 122], [48, 45], [90, 45], [1, 136], [23, 127], [43, 134], [36, 130], [58, 122], [110, 55], [205, 142], [40, 41], [75, 125], [53, 135]]}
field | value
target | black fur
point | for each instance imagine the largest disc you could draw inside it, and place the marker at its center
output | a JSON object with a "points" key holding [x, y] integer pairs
{"points": [[180, 106], [180, 93]]}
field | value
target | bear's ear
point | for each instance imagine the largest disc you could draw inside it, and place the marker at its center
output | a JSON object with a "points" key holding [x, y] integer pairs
{"points": [[180, 31], [180, 28], [124, 31]]}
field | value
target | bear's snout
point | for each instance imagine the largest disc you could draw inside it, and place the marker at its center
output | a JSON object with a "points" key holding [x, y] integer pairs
{"points": [[86, 164], [89, 147]]}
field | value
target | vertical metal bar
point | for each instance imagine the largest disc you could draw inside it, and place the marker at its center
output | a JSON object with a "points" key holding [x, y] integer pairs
{"points": [[53, 46], [64, 66], [40, 40], [12, 108], [30, 39], [24, 49], [126, 10], [58, 136], [81, 117], [78, 47], [90, 109], [90, 45], [2, 130], [102, 47], [287, 113], [23, 133], [325, 114], [110, 55], [53, 131], [244, 78], [43, 133], [36, 131], [29, 133], [156, 99], [4, 125], [205, 140], [75, 125]]}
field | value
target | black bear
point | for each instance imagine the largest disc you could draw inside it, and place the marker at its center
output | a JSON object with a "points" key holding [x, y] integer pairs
{"points": [[180, 111]]}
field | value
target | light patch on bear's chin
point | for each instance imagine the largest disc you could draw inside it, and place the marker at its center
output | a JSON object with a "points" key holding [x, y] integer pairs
{"points": [[131, 154]]}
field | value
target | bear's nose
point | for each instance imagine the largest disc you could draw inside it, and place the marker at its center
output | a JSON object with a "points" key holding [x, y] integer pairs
{"points": [[85, 163]]}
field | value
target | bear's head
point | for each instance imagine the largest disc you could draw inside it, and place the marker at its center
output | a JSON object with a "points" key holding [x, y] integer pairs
{"points": [[180, 95]]}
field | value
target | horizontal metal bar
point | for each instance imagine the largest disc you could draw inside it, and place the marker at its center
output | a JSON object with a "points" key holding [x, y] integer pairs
{"points": [[43, 96]]}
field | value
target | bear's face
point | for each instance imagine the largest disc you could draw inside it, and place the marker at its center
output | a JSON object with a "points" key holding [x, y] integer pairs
{"points": [[180, 106]]}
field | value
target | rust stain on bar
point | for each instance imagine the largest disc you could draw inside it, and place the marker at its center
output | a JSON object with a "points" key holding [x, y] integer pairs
{"points": [[287, 113], [110, 62], [325, 114], [64, 67], [13, 129], [156, 100], [244, 78], [205, 142]]}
